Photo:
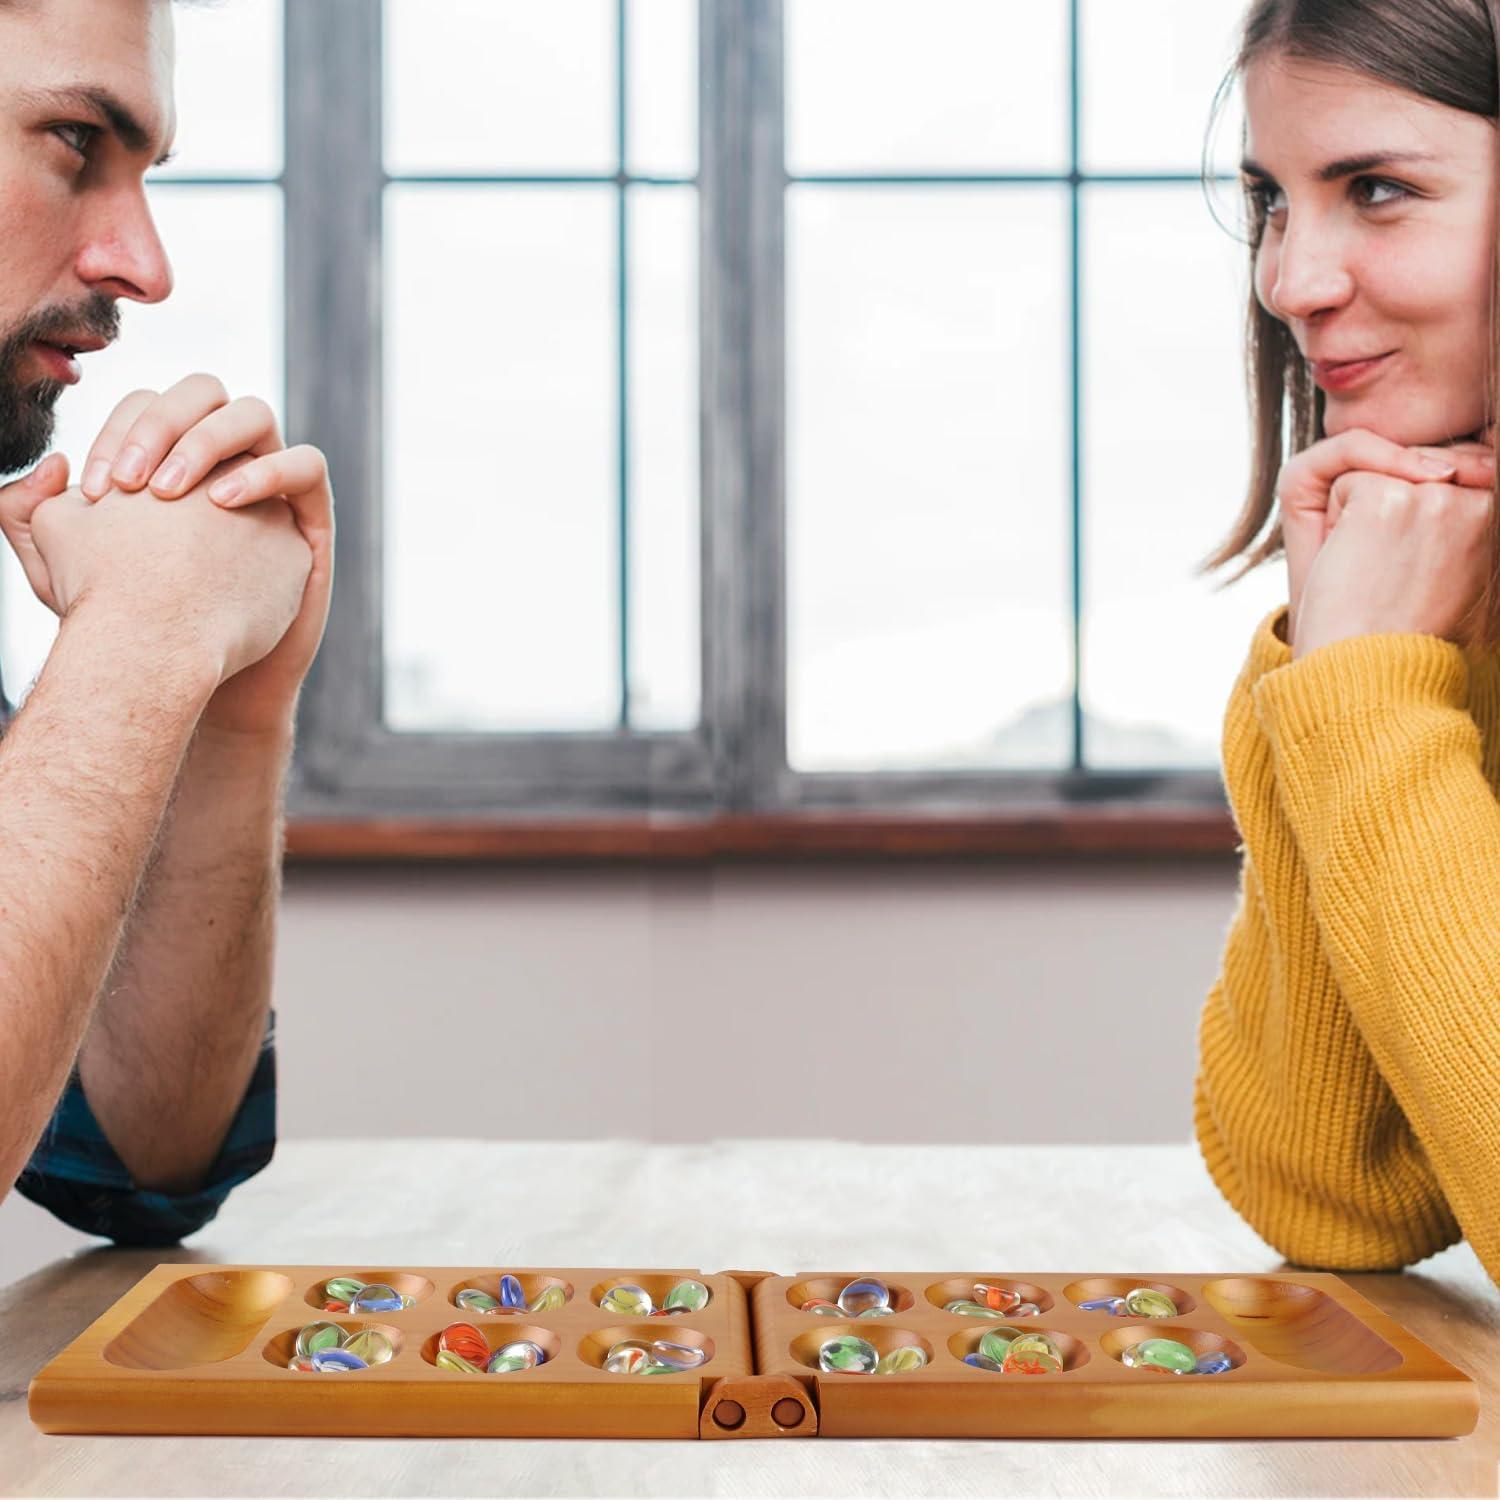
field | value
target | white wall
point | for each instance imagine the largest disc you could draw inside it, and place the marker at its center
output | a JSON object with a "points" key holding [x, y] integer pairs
{"points": [[985, 1001]]}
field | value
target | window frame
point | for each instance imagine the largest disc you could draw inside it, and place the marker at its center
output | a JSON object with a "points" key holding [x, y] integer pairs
{"points": [[350, 768]]}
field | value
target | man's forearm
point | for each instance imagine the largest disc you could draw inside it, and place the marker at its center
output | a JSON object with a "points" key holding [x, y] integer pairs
{"points": [[86, 772], [175, 1034]]}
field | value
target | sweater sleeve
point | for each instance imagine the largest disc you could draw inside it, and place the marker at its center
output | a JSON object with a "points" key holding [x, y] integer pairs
{"points": [[1293, 1117], [1379, 768]]}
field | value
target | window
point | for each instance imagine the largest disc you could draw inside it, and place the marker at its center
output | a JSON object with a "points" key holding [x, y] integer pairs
{"points": [[763, 405]]}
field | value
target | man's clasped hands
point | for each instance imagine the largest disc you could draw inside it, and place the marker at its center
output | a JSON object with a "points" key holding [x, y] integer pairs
{"points": [[1382, 538], [228, 583]]}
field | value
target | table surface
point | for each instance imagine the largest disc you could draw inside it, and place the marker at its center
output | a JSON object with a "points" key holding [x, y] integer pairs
{"points": [[783, 1206]]}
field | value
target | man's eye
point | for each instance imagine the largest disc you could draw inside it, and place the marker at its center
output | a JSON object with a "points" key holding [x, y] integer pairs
{"points": [[76, 134]]}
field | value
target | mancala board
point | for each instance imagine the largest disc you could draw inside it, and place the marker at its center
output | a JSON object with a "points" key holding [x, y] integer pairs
{"points": [[203, 1349]]}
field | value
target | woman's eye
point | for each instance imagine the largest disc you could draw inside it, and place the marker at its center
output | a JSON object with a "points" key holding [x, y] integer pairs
{"points": [[76, 134], [1263, 195], [1378, 185]]}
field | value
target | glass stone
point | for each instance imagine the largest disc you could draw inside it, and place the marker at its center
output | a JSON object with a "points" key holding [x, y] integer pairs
{"points": [[1001, 1298], [983, 1362], [524, 1349], [688, 1296], [466, 1341], [1214, 1364], [994, 1345], [969, 1309], [1031, 1363], [902, 1361], [342, 1288], [1111, 1305], [858, 1296], [1036, 1343], [407, 1302], [314, 1336], [628, 1357], [549, 1299], [1167, 1354], [505, 1364], [327, 1360], [1025, 1310], [678, 1356], [655, 1367], [299, 1362], [511, 1294], [848, 1353], [371, 1345], [627, 1300], [878, 1312], [471, 1299], [446, 1359], [338, 1307], [1147, 1302], [376, 1298]]}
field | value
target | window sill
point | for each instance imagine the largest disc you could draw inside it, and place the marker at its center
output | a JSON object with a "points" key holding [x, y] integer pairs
{"points": [[1151, 831]]}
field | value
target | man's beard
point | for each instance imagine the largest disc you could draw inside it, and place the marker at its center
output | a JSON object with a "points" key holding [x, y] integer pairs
{"points": [[26, 415]]}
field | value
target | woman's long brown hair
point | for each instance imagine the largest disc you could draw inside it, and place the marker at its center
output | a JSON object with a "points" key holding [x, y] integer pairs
{"points": [[1444, 50]]}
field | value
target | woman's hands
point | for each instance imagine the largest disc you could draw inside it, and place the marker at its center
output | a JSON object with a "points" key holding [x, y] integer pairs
{"points": [[1411, 526]]}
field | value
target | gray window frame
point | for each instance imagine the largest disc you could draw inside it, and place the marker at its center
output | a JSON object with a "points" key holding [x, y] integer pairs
{"points": [[348, 764]]}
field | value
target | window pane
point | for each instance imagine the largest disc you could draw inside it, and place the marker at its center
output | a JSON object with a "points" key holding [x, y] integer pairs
{"points": [[500, 86], [927, 483], [664, 510], [926, 84], [1167, 462], [224, 316], [1148, 70], [500, 537], [662, 55], [228, 86]]}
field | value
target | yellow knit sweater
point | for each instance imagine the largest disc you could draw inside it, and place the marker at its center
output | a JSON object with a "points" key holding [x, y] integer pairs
{"points": [[1347, 1100]]}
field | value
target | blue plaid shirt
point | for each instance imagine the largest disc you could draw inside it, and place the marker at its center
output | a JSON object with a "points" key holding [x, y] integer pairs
{"points": [[75, 1173]]}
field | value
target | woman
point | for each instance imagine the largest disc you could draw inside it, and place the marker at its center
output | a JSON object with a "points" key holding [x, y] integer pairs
{"points": [[1348, 1092]]}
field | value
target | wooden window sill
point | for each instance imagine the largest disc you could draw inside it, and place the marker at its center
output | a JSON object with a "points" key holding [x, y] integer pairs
{"points": [[687, 840]]}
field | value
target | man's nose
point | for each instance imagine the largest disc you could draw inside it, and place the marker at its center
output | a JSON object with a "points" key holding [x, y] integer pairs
{"points": [[1312, 271], [122, 254]]}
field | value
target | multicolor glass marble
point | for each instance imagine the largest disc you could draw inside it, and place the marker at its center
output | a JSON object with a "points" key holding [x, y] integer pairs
{"points": [[327, 1348], [628, 1300], [1164, 1354], [1147, 1302], [862, 1296], [660, 1357], [968, 1309], [462, 1349], [848, 1355], [340, 1292]]}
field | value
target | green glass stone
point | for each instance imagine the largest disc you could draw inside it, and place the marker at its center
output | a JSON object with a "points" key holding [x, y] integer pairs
{"points": [[371, 1345], [342, 1288], [877, 1312], [506, 1364], [627, 1300], [1166, 1354], [972, 1309], [994, 1345], [848, 1353], [471, 1299], [549, 1299], [446, 1359], [312, 1337], [1147, 1302], [901, 1361], [688, 1296], [825, 1310]]}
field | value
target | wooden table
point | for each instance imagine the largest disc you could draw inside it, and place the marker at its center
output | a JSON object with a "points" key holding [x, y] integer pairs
{"points": [[784, 1206]]}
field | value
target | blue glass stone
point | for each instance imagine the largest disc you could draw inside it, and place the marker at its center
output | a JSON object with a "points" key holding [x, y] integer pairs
{"points": [[511, 1294], [376, 1298], [1214, 1364], [1102, 1304], [983, 1362], [337, 1359]]}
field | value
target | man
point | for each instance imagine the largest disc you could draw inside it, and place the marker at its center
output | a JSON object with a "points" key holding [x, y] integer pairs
{"points": [[141, 784]]}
